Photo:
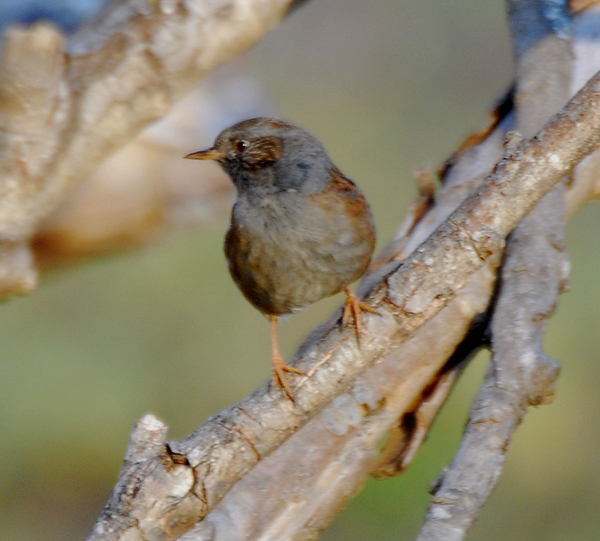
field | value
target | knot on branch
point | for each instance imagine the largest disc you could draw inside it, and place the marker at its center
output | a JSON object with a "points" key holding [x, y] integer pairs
{"points": [[541, 380]]}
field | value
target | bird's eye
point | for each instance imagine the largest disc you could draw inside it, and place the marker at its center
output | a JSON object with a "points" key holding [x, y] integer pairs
{"points": [[241, 146]]}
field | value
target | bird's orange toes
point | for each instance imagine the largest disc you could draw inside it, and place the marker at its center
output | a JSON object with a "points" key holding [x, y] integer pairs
{"points": [[354, 308], [279, 369]]}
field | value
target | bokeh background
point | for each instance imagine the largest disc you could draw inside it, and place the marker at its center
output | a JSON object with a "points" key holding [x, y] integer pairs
{"points": [[388, 86]]}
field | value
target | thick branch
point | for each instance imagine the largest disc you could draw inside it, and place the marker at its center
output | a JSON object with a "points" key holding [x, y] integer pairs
{"points": [[311, 476], [231, 443]]}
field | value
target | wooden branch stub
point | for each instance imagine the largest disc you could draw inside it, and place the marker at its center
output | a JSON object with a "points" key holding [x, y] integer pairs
{"points": [[169, 506]]}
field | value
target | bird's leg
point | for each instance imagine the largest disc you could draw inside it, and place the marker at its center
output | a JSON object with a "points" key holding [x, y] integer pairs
{"points": [[279, 366], [353, 307]]}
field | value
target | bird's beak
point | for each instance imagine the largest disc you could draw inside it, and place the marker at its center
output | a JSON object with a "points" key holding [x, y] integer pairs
{"points": [[208, 154]]}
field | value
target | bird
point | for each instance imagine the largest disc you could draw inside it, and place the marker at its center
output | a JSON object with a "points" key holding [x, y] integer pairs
{"points": [[300, 230]]}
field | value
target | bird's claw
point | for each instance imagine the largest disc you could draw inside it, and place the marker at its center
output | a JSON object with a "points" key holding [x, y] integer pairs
{"points": [[279, 369], [354, 308]]}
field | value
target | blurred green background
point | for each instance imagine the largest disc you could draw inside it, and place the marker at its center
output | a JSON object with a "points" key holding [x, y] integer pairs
{"points": [[388, 86]]}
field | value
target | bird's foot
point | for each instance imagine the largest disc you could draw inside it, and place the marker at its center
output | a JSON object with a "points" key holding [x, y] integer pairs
{"points": [[354, 308], [279, 369]]}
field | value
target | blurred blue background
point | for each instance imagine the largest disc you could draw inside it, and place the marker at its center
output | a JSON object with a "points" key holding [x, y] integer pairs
{"points": [[68, 14], [388, 86]]}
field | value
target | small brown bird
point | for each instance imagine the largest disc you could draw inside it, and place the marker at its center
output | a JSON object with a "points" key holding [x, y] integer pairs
{"points": [[300, 230]]}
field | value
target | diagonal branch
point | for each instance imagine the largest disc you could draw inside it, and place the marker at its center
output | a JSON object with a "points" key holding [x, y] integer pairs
{"points": [[311, 476], [232, 442]]}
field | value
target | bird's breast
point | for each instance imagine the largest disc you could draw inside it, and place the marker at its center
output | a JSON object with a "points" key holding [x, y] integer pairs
{"points": [[288, 250]]}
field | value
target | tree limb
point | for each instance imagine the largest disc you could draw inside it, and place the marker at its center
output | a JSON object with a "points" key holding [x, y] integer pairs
{"points": [[298, 472], [232, 442]]}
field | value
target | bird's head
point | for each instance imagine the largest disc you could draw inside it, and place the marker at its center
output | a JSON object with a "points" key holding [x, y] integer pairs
{"points": [[267, 155]]}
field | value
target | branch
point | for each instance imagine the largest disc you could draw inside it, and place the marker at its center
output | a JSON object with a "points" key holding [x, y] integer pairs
{"points": [[531, 279], [312, 475], [325, 463], [62, 113], [298, 472], [232, 442]]}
